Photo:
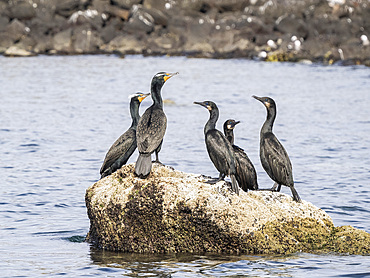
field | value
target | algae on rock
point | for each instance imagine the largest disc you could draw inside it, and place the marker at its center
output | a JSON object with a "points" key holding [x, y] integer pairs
{"points": [[173, 211]]}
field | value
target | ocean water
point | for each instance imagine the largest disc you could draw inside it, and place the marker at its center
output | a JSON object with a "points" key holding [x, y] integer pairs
{"points": [[59, 116]]}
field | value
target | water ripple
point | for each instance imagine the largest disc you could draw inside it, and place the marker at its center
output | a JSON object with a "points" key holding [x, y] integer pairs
{"points": [[55, 132]]}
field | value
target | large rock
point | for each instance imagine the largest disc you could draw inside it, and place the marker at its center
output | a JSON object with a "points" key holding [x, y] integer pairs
{"points": [[126, 4], [86, 40], [172, 211], [22, 11], [140, 21], [63, 41], [16, 30]]}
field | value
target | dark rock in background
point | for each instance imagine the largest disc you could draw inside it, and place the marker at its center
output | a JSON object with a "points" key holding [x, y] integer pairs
{"points": [[22, 11], [287, 30]]}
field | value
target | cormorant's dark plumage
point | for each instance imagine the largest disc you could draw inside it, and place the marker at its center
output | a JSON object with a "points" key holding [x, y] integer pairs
{"points": [[152, 127], [125, 145], [245, 172], [274, 158], [219, 149]]}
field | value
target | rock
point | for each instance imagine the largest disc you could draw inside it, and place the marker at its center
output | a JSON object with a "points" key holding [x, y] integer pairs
{"points": [[86, 40], [67, 7], [290, 24], [125, 44], [16, 29], [117, 12], [5, 41], [162, 5], [15, 51], [140, 21], [44, 44], [109, 32], [100, 5], [160, 18], [87, 17], [22, 11], [165, 43], [126, 4], [62, 41], [4, 20], [27, 43], [173, 211], [227, 5]]}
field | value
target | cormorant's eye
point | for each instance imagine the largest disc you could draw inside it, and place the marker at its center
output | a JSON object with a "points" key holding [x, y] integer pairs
{"points": [[266, 100], [207, 103]]}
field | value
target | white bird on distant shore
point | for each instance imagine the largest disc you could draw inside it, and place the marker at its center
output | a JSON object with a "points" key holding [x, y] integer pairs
{"points": [[365, 40], [271, 44]]}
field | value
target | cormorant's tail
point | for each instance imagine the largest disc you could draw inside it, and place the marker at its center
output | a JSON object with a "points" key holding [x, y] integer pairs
{"points": [[295, 195], [234, 184], [105, 173], [143, 165]]}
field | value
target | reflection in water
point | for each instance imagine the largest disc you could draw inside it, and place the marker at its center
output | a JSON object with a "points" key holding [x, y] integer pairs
{"points": [[183, 265], [215, 265]]}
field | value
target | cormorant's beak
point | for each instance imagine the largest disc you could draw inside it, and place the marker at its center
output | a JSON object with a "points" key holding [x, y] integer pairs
{"points": [[169, 75], [258, 98], [262, 100], [142, 97], [232, 125], [200, 103], [203, 104]]}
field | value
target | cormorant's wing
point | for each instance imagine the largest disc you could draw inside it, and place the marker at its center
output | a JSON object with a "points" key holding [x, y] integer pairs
{"points": [[220, 151], [119, 148], [245, 172], [278, 159], [151, 129]]}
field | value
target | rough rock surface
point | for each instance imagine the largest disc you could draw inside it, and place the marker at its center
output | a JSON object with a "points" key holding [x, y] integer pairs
{"points": [[172, 211], [285, 30]]}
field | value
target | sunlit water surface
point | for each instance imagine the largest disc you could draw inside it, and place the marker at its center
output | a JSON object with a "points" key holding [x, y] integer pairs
{"points": [[59, 116]]}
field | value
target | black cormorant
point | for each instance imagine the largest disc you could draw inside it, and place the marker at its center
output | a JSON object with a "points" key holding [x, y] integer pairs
{"points": [[274, 158], [219, 149], [125, 145], [152, 127], [245, 172]]}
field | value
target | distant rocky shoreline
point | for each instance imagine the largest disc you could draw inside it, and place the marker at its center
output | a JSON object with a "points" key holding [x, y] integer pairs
{"points": [[273, 30]]}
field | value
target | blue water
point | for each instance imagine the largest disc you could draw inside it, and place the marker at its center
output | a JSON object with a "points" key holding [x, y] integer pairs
{"points": [[59, 116]]}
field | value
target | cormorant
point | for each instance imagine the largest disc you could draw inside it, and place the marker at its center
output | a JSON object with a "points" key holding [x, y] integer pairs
{"points": [[125, 145], [274, 158], [219, 149], [151, 127], [245, 172]]}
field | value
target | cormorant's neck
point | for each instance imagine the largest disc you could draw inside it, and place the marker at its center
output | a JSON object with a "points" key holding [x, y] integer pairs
{"points": [[211, 123], [156, 94], [229, 134], [271, 115], [134, 111]]}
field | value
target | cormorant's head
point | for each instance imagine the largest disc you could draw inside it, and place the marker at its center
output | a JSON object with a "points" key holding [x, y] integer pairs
{"points": [[162, 77], [267, 101], [210, 105], [138, 96], [230, 124]]}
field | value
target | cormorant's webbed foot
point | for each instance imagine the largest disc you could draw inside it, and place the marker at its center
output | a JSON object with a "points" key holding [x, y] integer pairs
{"points": [[157, 161], [215, 180]]}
